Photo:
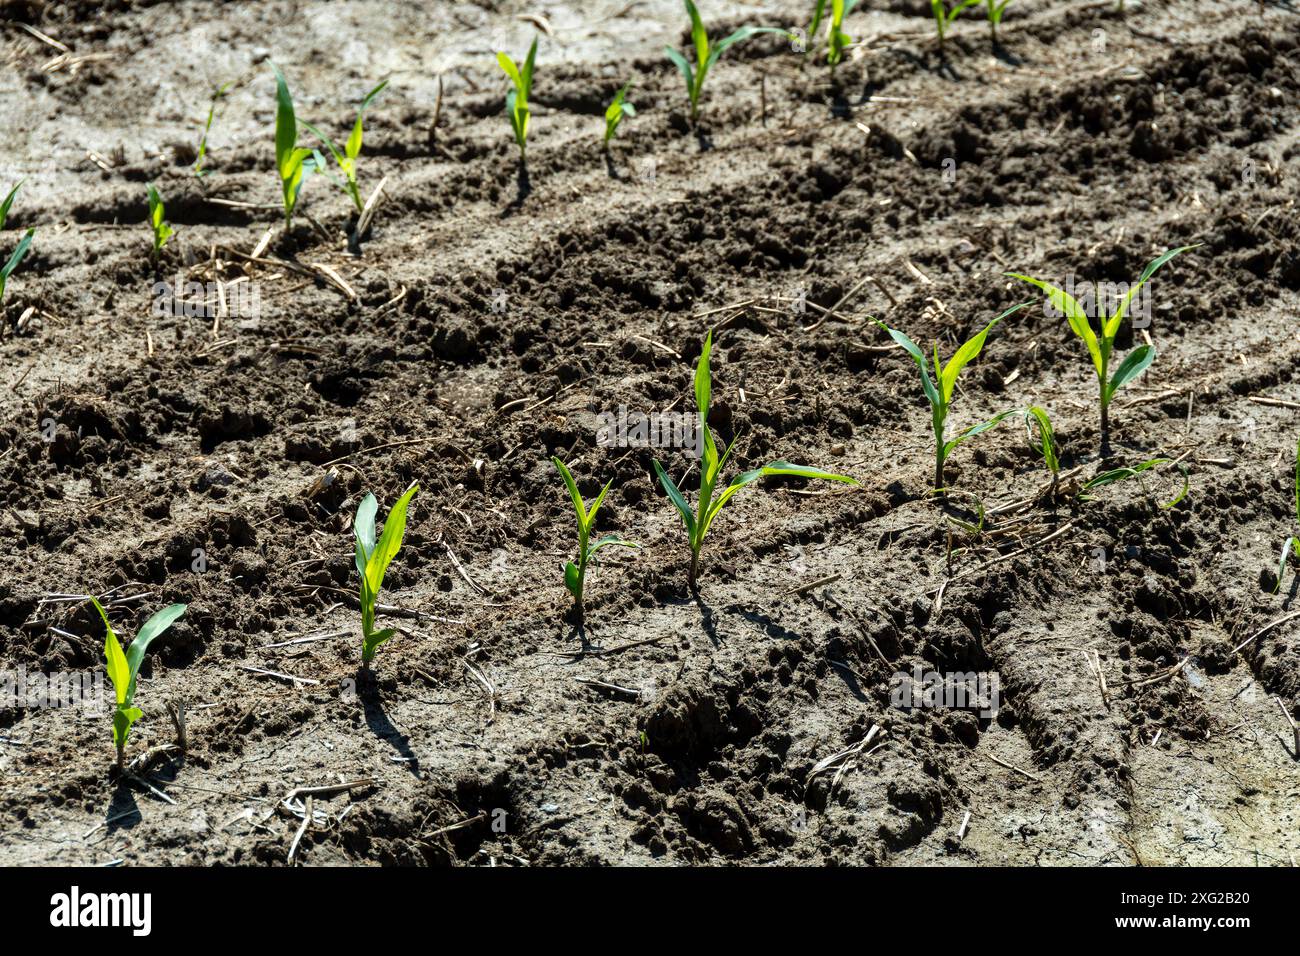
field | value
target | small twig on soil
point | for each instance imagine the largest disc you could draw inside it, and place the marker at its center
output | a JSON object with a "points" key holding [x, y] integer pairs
{"points": [[615, 688], [812, 585], [306, 822], [1295, 728], [1003, 763], [289, 677], [468, 821]]}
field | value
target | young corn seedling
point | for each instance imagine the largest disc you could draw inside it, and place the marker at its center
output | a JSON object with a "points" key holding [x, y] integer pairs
{"points": [[1101, 348], [575, 574], [346, 158], [618, 108], [1292, 544], [706, 55], [373, 558], [9, 201], [8, 269], [217, 94], [23, 244], [699, 522], [943, 17], [994, 13], [162, 230], [1046, 443], [123, 668], [836, 40], [1134, 471], [517, 99], [293, 162], [939, 390]]}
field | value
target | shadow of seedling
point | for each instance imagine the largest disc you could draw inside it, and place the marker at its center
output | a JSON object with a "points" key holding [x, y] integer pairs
{"points": [[371, 697], [123, 812]]}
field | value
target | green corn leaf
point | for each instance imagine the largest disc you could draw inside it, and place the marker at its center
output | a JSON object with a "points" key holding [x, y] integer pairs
{"points": [[775, 468], [1111, 326], [818, 13], [363, 528], [744, 33], [353, 145], [146, 636], [967, 353], [574, 495], [610, 539], [9, 201], [976, 429], [1120, 474], [1047, 437], [931, 393], [684, 66], [704, 381], [14, 260], [1064, 302], [1134, 364], [595, 505], [699, 36], [512, 71], [286, 125], [390, 541], [373, 640], [119, 672], [1297, 481], [1289, 545], [571, 579], [677, 498], [528, 68], [123, 719]]}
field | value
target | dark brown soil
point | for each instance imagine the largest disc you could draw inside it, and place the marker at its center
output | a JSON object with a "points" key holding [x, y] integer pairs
{"points": [[1088, 143]]}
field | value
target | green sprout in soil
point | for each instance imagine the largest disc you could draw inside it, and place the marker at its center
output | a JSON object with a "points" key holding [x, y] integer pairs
{"points": [[618, 108], [1134, 471], [123, 668], [943, 17], [994, 14], [217, 95], [517, 99], [939, 391], [162, 230], [23, 244], [1101, 348], [1292, 544], [699, 522], [836, 39], [1046, 442], [346, 158], [373, 558], [706, 55], [293, 162], [575, 574]]}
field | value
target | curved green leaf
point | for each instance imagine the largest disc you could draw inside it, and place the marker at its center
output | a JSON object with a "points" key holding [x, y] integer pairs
{"points": [[145, 636], [1111, 325], [574, 495], [1063, 302], [1134, 364], [390, 541], [677, 499], [967, 353], [976, 429], [9, 201]]}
